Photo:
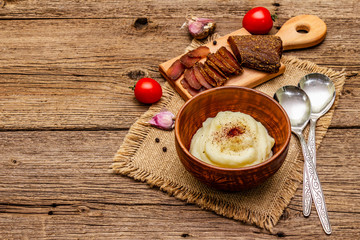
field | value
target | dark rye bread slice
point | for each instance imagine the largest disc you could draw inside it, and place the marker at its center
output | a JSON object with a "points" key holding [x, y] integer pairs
{"points": [[260, 52]]}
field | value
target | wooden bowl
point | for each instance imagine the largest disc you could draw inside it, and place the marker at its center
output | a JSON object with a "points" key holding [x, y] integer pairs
{"points": [[237, 99]]}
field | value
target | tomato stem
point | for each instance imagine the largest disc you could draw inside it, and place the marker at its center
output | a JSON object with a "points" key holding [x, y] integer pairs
{"points": [[132, 87], [274, 17]]}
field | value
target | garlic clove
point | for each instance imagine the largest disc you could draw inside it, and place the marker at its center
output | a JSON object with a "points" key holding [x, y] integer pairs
{"points": [[200, 28], [195, 28], [163, 120]]}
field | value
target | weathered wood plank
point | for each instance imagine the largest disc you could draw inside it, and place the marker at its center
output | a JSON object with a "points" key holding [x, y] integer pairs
{"points": [[52, 181], [68, 66], [19, 9], [159, 222], [228, 15], [70, 102], [75, 102], [348, 108], [73, 46], [56, 74]]}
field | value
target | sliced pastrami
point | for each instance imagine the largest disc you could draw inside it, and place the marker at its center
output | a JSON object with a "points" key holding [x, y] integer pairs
{"points": [[175, 70], [220, 65], [191, 79], [188, 61], [231, 60], [186, 86], [201, 52], [210, 80], [225, 63], [200, 77], [212, 73], [213, 65]]}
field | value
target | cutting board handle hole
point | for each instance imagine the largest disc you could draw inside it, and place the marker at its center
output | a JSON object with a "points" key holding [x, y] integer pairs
{"points": [[302, 29]]}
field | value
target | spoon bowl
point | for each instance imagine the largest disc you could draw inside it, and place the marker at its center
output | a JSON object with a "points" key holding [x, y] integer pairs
{"points": [[321, 91], [296, 104]]}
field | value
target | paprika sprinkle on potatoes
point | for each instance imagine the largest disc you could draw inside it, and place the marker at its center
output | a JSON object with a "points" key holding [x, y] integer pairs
{"points": [[235, 131]]}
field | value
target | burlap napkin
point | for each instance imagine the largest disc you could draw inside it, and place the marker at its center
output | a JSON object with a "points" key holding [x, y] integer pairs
{"points": [[143, 158]]}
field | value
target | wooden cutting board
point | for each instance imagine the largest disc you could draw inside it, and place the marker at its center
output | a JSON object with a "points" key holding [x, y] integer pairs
{"points": [[298, 32]]}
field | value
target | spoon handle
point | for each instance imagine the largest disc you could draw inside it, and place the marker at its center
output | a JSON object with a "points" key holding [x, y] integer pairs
{"points": [[315, 186], [306, 186]]}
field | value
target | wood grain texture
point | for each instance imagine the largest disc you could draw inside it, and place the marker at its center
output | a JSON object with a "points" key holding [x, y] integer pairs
{"points": [[54, 184], [67, 66], [54, 57]]}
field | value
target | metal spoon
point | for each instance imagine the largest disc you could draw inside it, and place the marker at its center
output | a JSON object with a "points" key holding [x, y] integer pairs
{"points": [[321, 91], [297, 105]]}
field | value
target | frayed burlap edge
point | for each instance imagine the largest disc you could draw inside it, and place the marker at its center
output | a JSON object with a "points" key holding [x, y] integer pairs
{"points": [[138, 132]]}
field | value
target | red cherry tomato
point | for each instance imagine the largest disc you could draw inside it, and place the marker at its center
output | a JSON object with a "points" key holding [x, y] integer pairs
{"points": [[147, 90], [258, 21]]}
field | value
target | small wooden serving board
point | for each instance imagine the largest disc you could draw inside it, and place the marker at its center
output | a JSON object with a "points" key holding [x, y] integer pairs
{"points": [[292, 39]]}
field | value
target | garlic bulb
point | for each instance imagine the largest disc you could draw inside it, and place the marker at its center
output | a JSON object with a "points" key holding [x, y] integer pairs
{"points": [[200, 28]]}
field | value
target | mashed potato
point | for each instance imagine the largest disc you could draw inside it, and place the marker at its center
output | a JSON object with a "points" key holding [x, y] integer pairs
{"points": [[232, 140]]}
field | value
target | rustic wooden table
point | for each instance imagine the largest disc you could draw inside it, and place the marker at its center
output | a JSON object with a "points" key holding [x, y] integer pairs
{"points": [[65, 107]]}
